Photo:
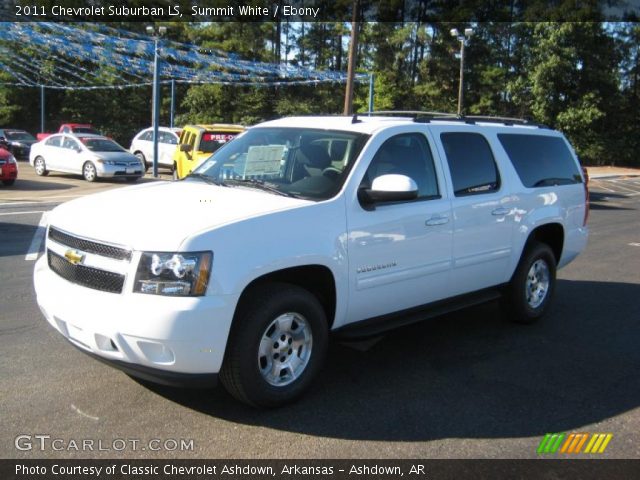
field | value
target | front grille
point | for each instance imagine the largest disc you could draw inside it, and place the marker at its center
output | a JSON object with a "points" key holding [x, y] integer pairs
{"points": [[89, 246], [86, 276]]}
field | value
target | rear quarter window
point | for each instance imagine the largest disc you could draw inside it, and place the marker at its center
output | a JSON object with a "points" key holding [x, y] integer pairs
{"points": [[539, 160]]}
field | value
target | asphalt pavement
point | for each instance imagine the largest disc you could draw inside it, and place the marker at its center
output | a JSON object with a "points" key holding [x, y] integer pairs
{"points": [[466, 385]]}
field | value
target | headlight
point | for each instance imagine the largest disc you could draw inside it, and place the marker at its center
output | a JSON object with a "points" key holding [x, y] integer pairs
{"points": [[180, 274], [105, 162]]}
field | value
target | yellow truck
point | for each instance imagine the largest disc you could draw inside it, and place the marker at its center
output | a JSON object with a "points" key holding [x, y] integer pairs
{"points": [[198, 142]]}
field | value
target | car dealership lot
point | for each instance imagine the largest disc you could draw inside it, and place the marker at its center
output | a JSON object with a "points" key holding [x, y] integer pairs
{"points": [[466, 385]]}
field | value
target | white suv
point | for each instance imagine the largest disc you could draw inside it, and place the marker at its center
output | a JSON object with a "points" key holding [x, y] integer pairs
{"points": [[305, 226]]}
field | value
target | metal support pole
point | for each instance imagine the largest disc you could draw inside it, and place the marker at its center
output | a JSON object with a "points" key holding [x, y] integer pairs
{"points": [[42, 108], [461, 83], [173, 101], [371, 91], [156, 107]]}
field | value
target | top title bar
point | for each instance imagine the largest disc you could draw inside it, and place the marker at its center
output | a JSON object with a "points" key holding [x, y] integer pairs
{"points": [[425, 11]]}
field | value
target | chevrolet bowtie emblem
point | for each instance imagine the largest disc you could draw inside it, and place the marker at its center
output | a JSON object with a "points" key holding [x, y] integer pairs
{"points": [[74, 256]]}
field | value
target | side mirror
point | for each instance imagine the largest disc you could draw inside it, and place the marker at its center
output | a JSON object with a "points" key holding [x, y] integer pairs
{"points": [[389, 188], [185, 147]]}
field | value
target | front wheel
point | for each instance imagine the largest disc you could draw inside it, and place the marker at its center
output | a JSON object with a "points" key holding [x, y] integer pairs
{"points": [[175, 172], [8, 183], [276, 347], [89, 172], [531, 288]]}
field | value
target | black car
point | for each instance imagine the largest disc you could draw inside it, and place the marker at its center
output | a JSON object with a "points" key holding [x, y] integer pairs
{"points": [[19, 141]]}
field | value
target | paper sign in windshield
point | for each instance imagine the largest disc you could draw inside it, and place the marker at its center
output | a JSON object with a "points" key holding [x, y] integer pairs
{"points": [[263, 160]]}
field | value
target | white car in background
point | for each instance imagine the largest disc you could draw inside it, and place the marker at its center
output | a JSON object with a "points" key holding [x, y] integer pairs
{"points": [[89, 155], [142, 146]]}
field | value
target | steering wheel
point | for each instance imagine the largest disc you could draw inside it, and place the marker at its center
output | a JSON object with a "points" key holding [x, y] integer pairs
{"points": [[331, 172]]}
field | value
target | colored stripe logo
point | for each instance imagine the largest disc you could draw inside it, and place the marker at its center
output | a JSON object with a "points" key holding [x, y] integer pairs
{"points": [[574, 443]]}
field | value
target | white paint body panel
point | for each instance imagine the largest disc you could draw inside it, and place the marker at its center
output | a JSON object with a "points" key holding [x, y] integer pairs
{"points": [[165, 150], [382, 260]]}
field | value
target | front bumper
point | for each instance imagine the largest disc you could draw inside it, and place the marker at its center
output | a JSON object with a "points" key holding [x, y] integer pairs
{"points": [[8, 171], [113, 171], [168, 340]]}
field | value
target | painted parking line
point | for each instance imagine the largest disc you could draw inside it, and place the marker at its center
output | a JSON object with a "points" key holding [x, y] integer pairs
{"points": [[21, 213], [34, 248]]}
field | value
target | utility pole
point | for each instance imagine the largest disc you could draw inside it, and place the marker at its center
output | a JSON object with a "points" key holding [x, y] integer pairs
{"points": [[42, 108], [156, 92], [462, 38], [353, 49]]}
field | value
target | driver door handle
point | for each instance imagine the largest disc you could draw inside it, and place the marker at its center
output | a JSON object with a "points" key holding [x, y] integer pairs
{"points": [[500, 211], [437, 220]]}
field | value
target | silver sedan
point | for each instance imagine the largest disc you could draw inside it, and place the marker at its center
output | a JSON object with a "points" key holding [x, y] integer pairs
{"points": [[91, 156]]}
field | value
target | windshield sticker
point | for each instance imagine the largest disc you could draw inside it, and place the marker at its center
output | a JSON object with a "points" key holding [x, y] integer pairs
{"points": [[263, 160]]}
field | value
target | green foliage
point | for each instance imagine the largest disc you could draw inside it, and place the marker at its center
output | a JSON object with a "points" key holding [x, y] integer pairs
{"points": [[579, 77]]}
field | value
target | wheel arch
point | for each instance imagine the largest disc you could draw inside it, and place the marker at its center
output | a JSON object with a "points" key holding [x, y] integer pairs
{"points": [[315, 278], [551, 234]]}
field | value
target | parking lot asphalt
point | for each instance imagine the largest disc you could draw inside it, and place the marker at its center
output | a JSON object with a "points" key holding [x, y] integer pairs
{"points": [[466, 385]]}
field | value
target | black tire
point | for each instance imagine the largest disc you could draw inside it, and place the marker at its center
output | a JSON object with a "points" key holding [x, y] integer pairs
{"points": [[87, 168], [8, 183], [174, 172], [525, 301], [132, 179], [42, 172], [241, 369]]}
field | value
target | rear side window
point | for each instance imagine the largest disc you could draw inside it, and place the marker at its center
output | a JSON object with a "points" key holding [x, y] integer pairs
{"points": [[146, 136], [540, 161], [471, 163], [53, 141]]}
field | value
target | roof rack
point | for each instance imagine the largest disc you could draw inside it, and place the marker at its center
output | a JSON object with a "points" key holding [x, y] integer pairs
{"points": [[427, 116]]}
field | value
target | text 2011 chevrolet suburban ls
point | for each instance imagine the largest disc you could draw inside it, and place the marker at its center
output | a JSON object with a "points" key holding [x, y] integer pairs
{"points": [[304, 226]]}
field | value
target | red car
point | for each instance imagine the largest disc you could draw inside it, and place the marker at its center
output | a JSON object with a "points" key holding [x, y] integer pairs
{"points": [[8, 167], [71, 128]]}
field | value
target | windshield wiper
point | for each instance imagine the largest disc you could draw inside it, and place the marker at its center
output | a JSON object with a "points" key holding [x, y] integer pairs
{"points": [[260, 184], [206, 178]]}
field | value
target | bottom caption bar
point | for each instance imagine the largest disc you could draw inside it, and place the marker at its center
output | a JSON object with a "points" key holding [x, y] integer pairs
{"points": [[320, 469]]}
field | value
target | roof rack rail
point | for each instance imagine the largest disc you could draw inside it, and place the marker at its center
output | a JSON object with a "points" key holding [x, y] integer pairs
{"points": [[505, 120], [427, 116], [413, 113]]}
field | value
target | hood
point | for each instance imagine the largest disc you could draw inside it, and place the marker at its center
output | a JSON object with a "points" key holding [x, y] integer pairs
{"points": [[26, 143], [116, 156], [161, 215]]}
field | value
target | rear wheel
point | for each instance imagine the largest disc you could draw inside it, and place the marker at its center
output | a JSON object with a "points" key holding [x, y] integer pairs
{"points": [[40, 167], [141, 157], [276, 347], [8, 183], [530, 291], [89, 172]]}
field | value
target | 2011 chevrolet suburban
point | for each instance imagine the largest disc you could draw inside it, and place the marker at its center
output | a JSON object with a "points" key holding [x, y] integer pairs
{"points": [[304, 226]]}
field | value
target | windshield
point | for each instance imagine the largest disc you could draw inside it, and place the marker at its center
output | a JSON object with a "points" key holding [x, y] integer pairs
{"points": [[212, 141], [298, 162], [101, 145], [85, 130], [17, 135]]}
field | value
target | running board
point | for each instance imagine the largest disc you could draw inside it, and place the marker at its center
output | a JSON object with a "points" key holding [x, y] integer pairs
{"points": [[375, 326]]}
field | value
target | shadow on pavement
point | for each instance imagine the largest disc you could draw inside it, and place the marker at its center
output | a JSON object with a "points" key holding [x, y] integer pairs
{"points": [[469, 375], [22, 185], [15, 238]]}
